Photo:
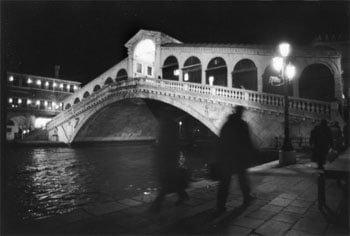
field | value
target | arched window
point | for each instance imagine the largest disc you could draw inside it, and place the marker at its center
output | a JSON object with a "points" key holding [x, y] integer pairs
{"points": [[10, 123], [108, 81], [170, 69], [67, 106], [216, 73], [317, 82], [86, 94], [76, 100], [245, 75], [192, 70], [121, 75], [96, 88]]}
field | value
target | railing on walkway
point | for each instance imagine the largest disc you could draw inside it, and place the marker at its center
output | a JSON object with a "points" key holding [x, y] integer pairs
{"points": [[250, 98]]}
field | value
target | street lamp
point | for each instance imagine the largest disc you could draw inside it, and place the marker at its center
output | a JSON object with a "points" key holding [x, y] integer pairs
{"points": [[180, 124], [287, 72]]}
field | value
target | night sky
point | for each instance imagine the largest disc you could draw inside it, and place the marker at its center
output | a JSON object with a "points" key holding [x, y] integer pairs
{"points": [[86, 38]]}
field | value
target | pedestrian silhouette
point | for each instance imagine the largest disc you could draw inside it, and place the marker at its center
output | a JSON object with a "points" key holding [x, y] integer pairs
{"points": [[321, 142], [235, 156], [337, 136], [169, 165]]}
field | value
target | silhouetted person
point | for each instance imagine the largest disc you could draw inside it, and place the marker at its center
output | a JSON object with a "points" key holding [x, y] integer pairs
{"points": [[337, 136], [172, 176], [321, 142], [235, 156], [346, 135]]}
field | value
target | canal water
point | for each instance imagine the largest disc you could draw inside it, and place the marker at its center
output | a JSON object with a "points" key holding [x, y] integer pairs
{"points": [[42, 182]]}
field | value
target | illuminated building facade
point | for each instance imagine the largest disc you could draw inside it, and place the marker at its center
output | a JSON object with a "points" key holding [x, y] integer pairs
{"points": [[33, 100]]}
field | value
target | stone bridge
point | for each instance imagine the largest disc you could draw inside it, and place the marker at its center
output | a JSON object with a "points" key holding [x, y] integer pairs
{"points": [[208, 104], [206, 81]]}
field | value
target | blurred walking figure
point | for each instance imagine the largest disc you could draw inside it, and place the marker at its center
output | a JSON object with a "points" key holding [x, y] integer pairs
{"points": [[236, 149], [170, 169], [337, 136], [321, 142]]}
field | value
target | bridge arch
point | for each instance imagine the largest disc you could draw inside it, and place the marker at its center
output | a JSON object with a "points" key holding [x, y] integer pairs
{"points": [[167, 100], [170, 69], [317, 82], [217, 72], [121, 75], [192, 70], [77, 100], [108, 81], [245, 75], [96, 88]]}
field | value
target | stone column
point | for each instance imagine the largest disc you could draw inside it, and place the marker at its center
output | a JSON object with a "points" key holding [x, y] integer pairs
{"points": [[203, 75], [229, 78]]}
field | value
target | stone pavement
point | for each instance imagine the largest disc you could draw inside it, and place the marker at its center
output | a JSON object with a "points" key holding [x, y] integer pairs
{"points": [[286, 204]]}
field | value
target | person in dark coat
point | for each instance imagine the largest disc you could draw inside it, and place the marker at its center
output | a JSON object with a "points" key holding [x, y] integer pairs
{"points": [[236, 149], [321, 141], [171, 173]]}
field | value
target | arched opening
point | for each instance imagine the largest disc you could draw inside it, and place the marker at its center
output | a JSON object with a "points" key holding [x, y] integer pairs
{"points": [[272, 82], [192, 70], [10, 123], [67, 106], [86, 94], [317, 82], [245, 75], [121, 75], [96, 88], [76, 100], [216, 73], [170, 69], [108, 81]]}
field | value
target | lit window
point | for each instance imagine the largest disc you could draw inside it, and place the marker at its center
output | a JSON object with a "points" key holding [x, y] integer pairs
{"points": [[37, 102], [176, 72], [29, 101], [211, 80], [139, 68], [19, 101], [29, 81], [47, 84], [41, 122], [10, 100], [45, 103], [11, 78], [75, 87], [61, 86], [54, 84], [68, 86], [186, 77], [149, 70], [38, 82]]}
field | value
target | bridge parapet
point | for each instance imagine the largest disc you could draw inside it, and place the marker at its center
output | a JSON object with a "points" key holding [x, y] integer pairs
{"points": [[307, 108]]}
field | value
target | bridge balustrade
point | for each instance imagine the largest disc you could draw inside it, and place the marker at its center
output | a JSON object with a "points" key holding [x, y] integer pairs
{"points": [[254, 98]]}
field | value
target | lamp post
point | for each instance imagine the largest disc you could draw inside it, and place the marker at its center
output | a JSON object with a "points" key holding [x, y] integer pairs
{"points": [[287, 72]]}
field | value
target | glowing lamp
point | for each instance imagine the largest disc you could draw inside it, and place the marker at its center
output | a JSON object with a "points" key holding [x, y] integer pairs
{"points": [[29, 81], [38, 82], [176, 72], [277, 63], [75, 87], [37, 102], [47, 84], [29, 101], [19, 101], [54, 84], [11, 78], [61, 85], [10, 100], [186, 77], [290, 71], [68, 86], [284, 49]]}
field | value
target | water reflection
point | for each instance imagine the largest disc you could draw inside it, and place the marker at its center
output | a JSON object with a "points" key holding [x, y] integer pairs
{"points": [[41, 182]]}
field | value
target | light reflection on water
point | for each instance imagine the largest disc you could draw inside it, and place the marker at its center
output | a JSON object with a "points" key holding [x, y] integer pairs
{"points": [[41, 182]]}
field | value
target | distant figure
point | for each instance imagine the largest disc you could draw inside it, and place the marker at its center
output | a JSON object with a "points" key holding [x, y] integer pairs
{"points": [[346, 135], [337, 136], [321, 142], [236, 150], [169, 163]]}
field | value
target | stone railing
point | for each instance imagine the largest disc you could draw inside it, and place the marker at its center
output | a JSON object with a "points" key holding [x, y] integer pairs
{"points": [[273, 102]]}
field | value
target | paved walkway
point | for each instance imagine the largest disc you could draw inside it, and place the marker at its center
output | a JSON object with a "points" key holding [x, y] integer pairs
{"points": [[286, 204]]}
